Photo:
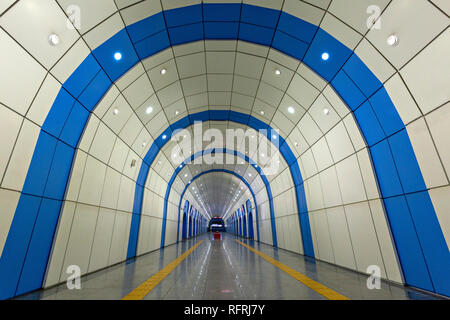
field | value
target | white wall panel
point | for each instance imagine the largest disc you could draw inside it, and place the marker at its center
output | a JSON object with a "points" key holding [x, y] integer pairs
{"points": [[102, 239], [364, 238], [81, 237]]}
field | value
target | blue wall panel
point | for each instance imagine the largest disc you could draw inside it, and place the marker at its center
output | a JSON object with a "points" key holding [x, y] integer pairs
{"points": [[81, 77], [120, 42], [75, 124], [386, 113], [323, 42], [297, 28], [263, 17], [432, 241], [36, 260], [221, 30], [369, 124], [406, 163], [187, 33], [221, 11], [256, 34], [16, 246], [348, 90], [289, 45], [385, 169], [40, 165], [153, 44], [145, 28], [183, 16], [361, 75], [405, 237], [92, 95], [59, 171], [58, 114]]}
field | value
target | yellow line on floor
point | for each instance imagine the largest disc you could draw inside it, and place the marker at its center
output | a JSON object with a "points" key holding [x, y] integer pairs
{"points": [[144, 289], [316, 286]]}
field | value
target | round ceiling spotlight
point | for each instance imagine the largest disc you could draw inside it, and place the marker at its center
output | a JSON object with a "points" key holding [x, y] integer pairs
{"points": [[291, 110], [164, 71], [164, 137], [278, 72], [53, 39], [325, 56], [392, 40], [262, 112], [177, 112], [118, 56], [144, 144], [149, 110], [326, 111], [116, 111]]}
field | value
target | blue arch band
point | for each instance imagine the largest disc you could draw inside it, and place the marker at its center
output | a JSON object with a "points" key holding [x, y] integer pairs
{"points": [[421, 246], [228, 116], [220, 170], [185, 213], [221, 151]]}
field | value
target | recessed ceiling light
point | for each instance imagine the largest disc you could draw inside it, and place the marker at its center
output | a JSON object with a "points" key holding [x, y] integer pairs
{"points": [[118, 56], [326, 111], [177, 112], [392, 40], [325, 56], [163, 71], [262, 112], [53, 39], [149, 110], [164, 137], [291, 110], [274, 136], [144, 144], [116, 111], [277, 72]]}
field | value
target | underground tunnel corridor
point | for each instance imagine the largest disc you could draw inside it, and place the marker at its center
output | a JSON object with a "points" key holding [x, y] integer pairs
{"points": [[313, 135]]}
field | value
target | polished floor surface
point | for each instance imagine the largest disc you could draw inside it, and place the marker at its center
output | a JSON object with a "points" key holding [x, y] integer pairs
{"points": [[225, 269]]}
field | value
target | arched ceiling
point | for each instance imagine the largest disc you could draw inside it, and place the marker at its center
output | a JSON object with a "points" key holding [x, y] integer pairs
{"points": [[218, 191], [209, 75]]}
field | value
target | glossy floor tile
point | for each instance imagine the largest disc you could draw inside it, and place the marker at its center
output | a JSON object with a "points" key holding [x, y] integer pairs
{"points": [[225, 270]]}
